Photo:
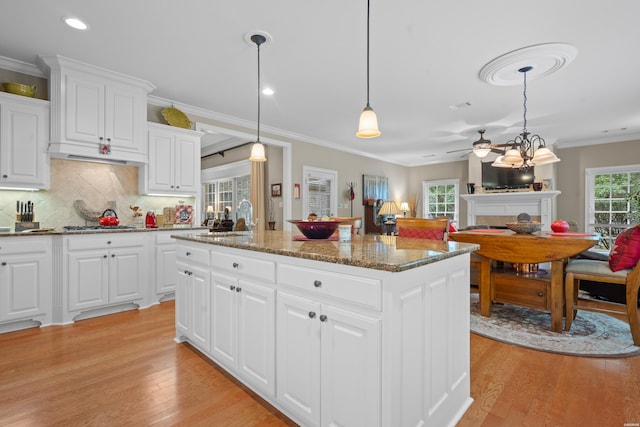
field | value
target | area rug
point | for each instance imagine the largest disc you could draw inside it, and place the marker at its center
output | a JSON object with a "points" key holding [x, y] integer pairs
{"points": [[591, 335]]}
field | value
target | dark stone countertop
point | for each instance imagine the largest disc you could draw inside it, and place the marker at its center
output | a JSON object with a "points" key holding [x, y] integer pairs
{"points": [[388, 253]]}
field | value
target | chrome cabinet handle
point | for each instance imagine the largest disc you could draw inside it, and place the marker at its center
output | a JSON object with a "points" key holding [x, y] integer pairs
{"points": [[4, 263], [238, 289], [188, 253], [323, 318], [104, 256], [233, 288], [312, 314], [317, 283], [235, 265]]}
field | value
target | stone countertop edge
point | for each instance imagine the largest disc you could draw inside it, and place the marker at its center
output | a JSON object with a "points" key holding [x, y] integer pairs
{"points": [[121, 230], [369, 251]]}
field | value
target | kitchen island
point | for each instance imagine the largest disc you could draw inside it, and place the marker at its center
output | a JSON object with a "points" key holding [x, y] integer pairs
{"points": [[371, 332]]}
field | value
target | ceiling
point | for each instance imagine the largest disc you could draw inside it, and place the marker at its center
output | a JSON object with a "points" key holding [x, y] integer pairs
{"points": [[425, 58]]}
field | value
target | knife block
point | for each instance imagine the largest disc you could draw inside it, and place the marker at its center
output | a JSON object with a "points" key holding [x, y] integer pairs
{"points": [[26, 225]]}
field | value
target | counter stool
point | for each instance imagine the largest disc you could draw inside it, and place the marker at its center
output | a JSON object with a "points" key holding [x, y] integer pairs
{"points": [[599, 271]]}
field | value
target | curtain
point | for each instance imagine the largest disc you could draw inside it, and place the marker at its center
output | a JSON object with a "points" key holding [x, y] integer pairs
{"points": [[257, 194]]}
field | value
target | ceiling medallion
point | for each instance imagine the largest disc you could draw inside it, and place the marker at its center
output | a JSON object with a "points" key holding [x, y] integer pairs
{"points": [[545, 59]]}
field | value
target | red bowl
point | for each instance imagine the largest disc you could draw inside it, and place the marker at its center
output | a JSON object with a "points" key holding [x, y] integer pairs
{"points": [[316, 229]]}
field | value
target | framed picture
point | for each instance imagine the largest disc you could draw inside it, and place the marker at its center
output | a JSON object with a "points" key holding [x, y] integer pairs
{"points": [[211, 222], [276, 190]]}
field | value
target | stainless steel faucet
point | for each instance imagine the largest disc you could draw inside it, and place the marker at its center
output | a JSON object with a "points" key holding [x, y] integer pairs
{"points": [[249, 215]]}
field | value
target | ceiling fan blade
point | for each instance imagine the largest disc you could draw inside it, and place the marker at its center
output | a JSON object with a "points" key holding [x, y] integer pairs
{"points": [[462, 149]]}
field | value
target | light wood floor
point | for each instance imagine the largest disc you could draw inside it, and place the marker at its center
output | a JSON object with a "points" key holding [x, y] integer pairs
{"points": [[126, 370]]}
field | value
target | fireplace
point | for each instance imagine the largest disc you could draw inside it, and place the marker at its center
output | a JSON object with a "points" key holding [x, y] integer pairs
{"points": [[496, 209]]}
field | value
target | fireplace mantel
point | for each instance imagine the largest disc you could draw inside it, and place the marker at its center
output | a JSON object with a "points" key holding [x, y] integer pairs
{"points": [[535, 203]]}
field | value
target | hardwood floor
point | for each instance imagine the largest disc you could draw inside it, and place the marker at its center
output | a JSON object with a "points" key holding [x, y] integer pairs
{"points": [[126, 370]]}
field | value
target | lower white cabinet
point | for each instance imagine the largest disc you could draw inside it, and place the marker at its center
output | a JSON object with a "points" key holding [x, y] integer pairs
{"points": [[243, 337], [193, 304], [329, 366], [25, 280], [105, 270], [164, 253]]}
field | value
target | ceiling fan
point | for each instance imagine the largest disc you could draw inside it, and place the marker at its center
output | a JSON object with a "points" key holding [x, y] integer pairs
{"points": [[482, 147]]}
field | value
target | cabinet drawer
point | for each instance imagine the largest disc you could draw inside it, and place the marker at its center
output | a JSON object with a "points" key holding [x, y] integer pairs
{"points": [[193, 255], [24, 245], [78, 243], [519, 290], [357, 290], [263, 271]]}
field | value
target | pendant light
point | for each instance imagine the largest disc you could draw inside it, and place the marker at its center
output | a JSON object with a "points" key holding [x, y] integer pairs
{"points": [[368, 126], [523, 152], [257, 150]]}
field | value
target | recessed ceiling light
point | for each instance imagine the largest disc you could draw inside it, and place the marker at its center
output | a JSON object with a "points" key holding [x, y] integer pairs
{"points": [[267, 91], [75, 23]]}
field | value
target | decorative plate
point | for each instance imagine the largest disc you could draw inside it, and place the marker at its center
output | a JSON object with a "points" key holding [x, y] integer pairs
{"points": [[176, 118]]}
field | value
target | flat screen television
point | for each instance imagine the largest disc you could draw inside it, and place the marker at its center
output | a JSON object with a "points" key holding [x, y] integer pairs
{"points": [[505, 178]]}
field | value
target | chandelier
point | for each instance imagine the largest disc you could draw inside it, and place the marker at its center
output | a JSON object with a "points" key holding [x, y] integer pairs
{"points": [[525, 151]]}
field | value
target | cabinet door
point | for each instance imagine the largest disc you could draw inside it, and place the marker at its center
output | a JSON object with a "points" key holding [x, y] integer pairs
{"points": [[257, 335], [126, 274], [224, 347], [165, 268], [23, 135], [298, 361], [161, 161], [120, 117], [184, 300], [85, 109], [350, 380], [23, 283], [88, 279], [201, 308], [187, 165]]}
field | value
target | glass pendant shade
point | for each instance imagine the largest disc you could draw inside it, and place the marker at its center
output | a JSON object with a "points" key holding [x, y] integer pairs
{"points": [[499, 163], [368, 126], [257, 152], [481, 152], [512, 157], [544, 156]]}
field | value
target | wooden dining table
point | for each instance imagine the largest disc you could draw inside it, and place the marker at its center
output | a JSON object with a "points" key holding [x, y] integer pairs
{"points": [[539, 247]]}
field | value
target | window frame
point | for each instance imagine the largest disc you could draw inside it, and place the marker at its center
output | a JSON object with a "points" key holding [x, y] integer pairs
{"points": [[425, 197], [332, 175], [590, 202]]}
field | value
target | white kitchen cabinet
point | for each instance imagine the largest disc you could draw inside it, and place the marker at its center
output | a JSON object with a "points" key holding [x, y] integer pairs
{"points": [[105, 270], [244, 304], [243, 336], [164, 253], [25, 282], [331, 356], [193, 304], [96, 113], [174, 161], [24, 133], [193, 296]]}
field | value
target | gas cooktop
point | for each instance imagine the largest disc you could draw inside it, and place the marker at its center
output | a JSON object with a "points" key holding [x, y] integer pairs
{"points": [[97, 227]]}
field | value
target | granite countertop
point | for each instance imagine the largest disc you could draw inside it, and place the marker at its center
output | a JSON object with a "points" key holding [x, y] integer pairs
{"points": [[378, 252], [56, 232]]}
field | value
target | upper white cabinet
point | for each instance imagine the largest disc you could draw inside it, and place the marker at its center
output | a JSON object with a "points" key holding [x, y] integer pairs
{"points": [[174, 161], [24, 127], [96, 113]]}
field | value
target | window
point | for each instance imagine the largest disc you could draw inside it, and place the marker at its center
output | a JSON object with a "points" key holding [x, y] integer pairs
{"points": [[608, 210], [441, 199], [225, 186], [320, 194]]}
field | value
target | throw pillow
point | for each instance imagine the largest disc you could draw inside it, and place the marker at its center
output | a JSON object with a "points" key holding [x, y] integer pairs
{"points": [[625, 251], [421, 233]]}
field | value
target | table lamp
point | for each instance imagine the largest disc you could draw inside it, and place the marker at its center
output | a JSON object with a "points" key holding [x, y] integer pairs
{"points": [[404, 207]]}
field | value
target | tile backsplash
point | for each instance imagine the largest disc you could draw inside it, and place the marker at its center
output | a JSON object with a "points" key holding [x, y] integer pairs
{"points": [[96, 184]]}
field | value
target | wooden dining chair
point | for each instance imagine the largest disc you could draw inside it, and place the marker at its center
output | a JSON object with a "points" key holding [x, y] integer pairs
{"points": [[423, 228], [599, 271]]}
